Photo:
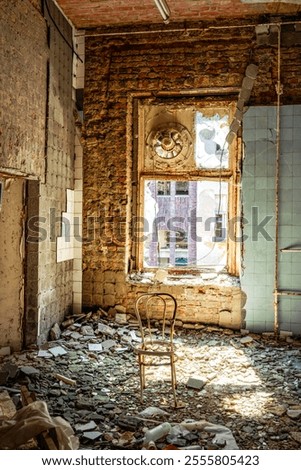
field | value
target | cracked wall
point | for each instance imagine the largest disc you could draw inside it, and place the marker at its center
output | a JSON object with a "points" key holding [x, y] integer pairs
{"points": [[23, 88], [118, 68], [12, 225], [37, 143]]}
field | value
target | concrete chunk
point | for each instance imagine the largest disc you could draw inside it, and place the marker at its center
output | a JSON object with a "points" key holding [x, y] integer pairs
{"points": [[58, 351], [92, 435], [108, 344], [197, 383], [86, 427], [105, 329], [246, 340], [87, 330], [55, 332], [95, 347], [29, 370], [5, 351]]}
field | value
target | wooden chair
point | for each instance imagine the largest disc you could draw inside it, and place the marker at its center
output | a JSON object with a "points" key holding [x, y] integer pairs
{"points": [[156, 351]]}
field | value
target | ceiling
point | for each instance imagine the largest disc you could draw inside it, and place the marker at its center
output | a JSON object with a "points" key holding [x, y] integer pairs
{"points": [[86, 14]]}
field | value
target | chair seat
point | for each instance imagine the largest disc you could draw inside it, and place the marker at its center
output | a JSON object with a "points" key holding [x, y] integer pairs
{"points": [[155, 348]]}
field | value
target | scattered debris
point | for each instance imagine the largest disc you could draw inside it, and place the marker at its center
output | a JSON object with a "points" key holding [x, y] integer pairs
{"points": [[246, 340], [58, 351], [108, 344], [296, 436], [196, 383], [55, 332], [153, 435], [285, 334], [32, 421], [29, 370], [87, 330], [95, 347], [90, 377], [105, 329], [44, 353], [86, 427], [152, 411], [64, 379], [223, 437], [120, 318], [91, 435], [5, 351], [7, 407], [294, 414]]}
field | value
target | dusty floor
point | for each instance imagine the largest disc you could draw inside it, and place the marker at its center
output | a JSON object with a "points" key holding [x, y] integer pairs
{"points": [[251, 385]]}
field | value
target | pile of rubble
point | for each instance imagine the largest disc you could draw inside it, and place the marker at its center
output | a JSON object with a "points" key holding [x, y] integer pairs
{"points": [[237, 390]]}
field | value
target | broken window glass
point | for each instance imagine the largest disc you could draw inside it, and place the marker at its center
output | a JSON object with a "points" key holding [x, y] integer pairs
{"points": [[211, 148]]}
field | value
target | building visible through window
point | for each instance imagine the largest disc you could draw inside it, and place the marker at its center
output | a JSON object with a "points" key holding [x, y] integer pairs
{"points": [[187, 228]]}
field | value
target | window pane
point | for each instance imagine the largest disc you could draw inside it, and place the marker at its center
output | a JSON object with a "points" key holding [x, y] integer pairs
{"points": [[187, 230], [211, 150], [182, 188], [163, 188]]}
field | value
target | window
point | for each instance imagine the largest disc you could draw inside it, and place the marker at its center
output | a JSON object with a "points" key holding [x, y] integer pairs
{"points": [[182, 188], [163, 188], [187, 188]]}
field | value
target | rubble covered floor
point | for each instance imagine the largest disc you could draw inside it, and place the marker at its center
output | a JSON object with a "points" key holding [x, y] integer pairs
{"points": [[89, 376]]}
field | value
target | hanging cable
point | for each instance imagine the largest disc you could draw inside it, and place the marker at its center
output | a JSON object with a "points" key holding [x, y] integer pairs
{"points": [[60, 32]]}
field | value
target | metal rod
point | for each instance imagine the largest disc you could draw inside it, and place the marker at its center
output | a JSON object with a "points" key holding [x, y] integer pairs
{"points": [[277, 174], [287, 292], [201, 91], [183, 29], [290, 250]]}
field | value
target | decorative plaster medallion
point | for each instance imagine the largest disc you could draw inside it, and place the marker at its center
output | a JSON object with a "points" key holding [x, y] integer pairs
{"points": [[169, 144]]}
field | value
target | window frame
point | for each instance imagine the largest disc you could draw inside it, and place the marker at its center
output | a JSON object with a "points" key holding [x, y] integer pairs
{"points": [[231, 175]]}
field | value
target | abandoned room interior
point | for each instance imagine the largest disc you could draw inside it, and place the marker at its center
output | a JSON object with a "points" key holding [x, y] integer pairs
{"points": [[150, 148]]}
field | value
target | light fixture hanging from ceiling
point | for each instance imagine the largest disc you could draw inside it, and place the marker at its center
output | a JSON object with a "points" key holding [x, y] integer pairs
{"points": [[163, 9]]}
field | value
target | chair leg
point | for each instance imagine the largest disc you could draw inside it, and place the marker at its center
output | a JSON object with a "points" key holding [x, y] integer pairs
{"points": [[142, 376], [173, 381]]}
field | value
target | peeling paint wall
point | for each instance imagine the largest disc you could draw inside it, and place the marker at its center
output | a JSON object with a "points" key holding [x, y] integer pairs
{"points": [[11, 263], [24, 54], [38, 142], [55, 279]]}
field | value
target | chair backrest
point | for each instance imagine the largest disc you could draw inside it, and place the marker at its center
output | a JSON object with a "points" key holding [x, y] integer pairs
{"points": [[146, 307]]}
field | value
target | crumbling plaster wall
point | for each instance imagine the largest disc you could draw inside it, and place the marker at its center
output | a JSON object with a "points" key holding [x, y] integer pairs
{"points": [[38, 142], [118, 68], [24, 54], [11, 263], [55, 280]]}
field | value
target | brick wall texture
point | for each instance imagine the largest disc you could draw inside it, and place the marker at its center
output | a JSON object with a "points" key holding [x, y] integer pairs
{"points": [[119, 66]]}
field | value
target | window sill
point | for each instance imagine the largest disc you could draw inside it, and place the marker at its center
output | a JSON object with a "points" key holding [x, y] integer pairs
{"points": [[183, 279]]}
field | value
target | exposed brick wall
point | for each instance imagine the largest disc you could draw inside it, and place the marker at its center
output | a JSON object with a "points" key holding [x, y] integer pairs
{"points": [[23, 88], [118, 66], [89, 13]]}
